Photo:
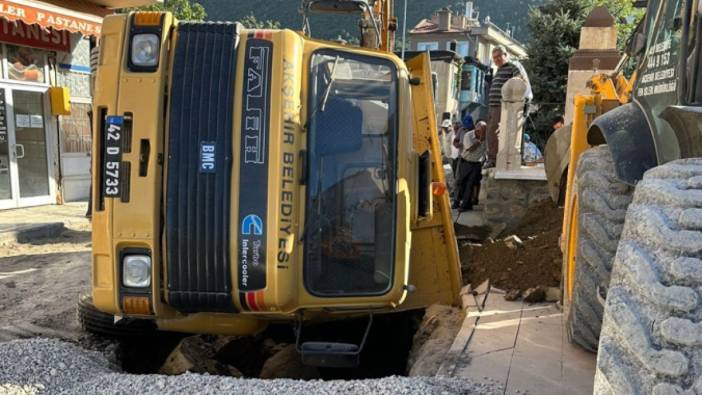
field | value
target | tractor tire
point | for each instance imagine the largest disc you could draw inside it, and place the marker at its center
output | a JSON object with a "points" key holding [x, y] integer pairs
{"points": [[651, 341], [95, 321], [602, 201]]}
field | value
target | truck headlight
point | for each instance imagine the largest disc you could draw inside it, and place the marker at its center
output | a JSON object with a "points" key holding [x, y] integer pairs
{"points": [[136, 271], [145, 50]]}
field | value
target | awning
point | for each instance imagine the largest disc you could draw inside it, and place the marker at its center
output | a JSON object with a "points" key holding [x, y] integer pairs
{"points": [[51, 16]]}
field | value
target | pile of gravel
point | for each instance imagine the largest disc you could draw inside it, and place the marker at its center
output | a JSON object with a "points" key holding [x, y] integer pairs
{"points": [[47, 366]]}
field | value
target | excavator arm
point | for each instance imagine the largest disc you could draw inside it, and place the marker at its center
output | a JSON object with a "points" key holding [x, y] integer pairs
{"points": [[378, 22]]}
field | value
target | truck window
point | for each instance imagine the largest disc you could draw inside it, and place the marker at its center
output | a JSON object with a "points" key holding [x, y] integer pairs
{"points": [[350, 205]]}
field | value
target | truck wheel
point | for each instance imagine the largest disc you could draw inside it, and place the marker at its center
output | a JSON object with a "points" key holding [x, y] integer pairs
{"points": [[602, 202], [95, 321], [651, 340]]}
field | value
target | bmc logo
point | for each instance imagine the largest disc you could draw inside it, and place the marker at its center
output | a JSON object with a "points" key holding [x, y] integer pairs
{"points": [[207, 157]]}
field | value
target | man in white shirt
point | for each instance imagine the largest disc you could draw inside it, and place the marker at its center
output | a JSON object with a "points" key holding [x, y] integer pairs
{"points": [[470, 166], [448, 149], [444, 131]]}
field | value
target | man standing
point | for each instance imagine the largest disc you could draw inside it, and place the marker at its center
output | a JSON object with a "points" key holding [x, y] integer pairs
{"points": [[444, 141], [505, 71], [558, 122], [456, 139], [470, 167]]}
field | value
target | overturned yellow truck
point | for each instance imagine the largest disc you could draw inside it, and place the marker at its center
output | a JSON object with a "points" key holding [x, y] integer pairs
{"points": [[242, 177]]}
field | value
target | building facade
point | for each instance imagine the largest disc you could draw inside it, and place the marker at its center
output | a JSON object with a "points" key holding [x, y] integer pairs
{"points": [[473, 40], [44, 146], [472, 37]]}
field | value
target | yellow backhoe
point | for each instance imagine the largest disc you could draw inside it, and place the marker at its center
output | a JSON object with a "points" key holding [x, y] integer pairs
{"points": [[632, 231]]}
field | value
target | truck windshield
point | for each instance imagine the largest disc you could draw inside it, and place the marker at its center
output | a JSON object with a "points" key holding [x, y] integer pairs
{"points": [[350, 206]]}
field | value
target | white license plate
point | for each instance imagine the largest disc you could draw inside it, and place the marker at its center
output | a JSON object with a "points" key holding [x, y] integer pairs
{"points": [[113, 156]]}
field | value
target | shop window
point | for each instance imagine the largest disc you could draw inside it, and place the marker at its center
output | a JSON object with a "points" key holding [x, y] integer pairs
{"points": [[75, 129], [26, 64], [429, 46]]}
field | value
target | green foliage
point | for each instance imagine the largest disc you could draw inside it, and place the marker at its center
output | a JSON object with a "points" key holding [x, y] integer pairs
{"points": [[251, 22], [626, 16], [555, 34], [184, 10]]}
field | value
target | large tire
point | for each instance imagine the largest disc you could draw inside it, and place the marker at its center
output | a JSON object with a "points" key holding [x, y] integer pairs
{"points": [[95, 321], [651, 340], [602, 201]]}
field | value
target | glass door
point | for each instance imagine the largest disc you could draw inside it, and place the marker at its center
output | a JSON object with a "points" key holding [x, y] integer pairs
{"points": [[24, 165], [7, 152], [30, 144]]}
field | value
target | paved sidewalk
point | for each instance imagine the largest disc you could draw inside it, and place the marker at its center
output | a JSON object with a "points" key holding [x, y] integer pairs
{"points": [[520, 346], [24, 224]]}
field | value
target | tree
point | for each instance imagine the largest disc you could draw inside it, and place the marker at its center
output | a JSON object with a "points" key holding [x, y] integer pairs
{"points": [[183, 10], [626, 15], [251, 22], [554, 36]]}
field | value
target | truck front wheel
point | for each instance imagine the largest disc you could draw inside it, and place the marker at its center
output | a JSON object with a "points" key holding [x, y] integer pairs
{"points": [[95, 321]]}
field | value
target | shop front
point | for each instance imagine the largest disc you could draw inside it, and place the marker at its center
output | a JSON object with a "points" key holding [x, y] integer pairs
{"points": [[45, 98]]}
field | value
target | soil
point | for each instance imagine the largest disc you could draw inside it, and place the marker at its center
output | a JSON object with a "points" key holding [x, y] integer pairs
{"points": [[433, 340], [537, 262], [40, 282]]}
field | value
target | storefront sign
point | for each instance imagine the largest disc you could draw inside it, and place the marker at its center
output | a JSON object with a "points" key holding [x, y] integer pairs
{"points": [[34, 36], [49, 16]]}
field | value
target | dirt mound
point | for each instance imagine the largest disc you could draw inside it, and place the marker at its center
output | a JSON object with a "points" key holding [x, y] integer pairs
{"points": [[534, 262]]}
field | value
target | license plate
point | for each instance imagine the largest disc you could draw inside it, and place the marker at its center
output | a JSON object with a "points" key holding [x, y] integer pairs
{"points": [[113, 155]]}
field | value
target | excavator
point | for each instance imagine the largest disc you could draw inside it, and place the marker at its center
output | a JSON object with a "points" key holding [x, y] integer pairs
{"points": [[632, 231], [243, 177]]}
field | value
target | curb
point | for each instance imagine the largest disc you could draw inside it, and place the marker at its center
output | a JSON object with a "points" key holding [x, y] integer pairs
{"points": [[27, 233]]}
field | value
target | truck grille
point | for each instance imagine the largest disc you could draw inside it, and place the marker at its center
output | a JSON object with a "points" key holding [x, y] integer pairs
{"points": [[199, 168]]}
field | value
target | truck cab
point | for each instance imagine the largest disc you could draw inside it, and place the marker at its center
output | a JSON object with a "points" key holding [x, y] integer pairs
{"points": [[242, 176]]}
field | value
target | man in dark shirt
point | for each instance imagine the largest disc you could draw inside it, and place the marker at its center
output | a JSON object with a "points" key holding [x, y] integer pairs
{"points": [[505, 71], [470, 167]]}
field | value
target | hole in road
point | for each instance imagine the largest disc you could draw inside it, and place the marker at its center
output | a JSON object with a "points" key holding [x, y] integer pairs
{"points": [[271, 354]]}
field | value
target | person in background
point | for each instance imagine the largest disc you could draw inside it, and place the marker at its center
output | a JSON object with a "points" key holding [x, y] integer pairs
{"points": [[531, 153], [470, 167], [451, 152], [456, 145], [467, 122], [444, 131], [558, 122], [476, 186], [505, 72]]}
